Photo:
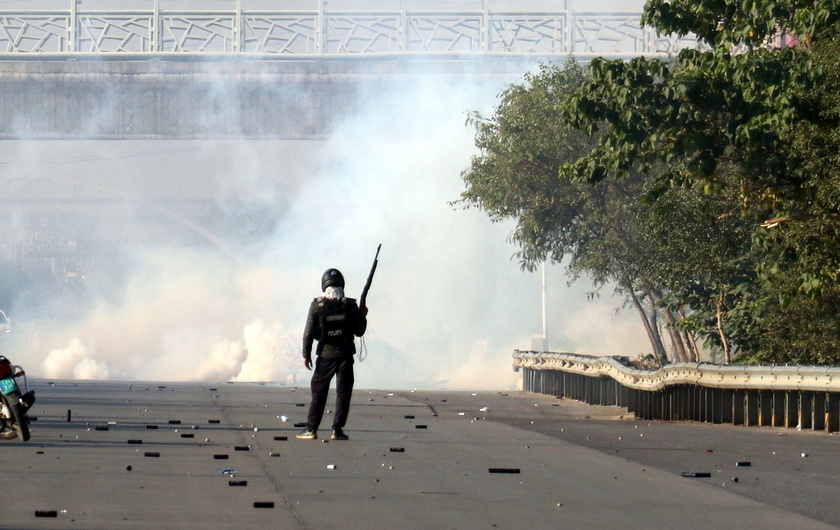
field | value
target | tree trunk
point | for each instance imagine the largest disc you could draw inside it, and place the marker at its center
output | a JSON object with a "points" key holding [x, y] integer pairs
{"points": [[679, 347], [691, 342], [727, 355], [652, 332]]}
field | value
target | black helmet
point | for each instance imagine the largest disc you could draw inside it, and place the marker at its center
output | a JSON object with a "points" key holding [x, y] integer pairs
{"points": [[332, 277]]}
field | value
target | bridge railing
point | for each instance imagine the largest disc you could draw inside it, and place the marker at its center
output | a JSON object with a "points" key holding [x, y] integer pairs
{"points": [[317, 33], [805, 397]]}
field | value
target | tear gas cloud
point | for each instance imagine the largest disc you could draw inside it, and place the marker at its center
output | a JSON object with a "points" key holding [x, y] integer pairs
{"points": [[448, 304]]}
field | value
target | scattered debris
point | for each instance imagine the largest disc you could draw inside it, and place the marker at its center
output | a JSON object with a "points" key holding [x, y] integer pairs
{"points": [[512, 470], [696, 474], [743, 464], [237, 482], [46, 513], [220, 457]]}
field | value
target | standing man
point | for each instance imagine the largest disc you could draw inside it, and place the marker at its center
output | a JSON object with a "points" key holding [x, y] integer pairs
{"points": [[334, 321]]}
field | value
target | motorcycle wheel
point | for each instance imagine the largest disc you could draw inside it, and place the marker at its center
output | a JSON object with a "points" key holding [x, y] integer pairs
{"points": [[21, 424], [7, 433]]}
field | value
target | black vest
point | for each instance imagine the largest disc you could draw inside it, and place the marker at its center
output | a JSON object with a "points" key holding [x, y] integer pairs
{"points": [[334, 322]]}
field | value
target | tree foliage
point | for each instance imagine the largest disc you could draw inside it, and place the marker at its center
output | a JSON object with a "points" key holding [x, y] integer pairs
{"points": [[705, 187]]}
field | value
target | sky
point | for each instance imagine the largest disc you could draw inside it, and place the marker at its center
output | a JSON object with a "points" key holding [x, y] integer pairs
{"points": [[226, 299]]}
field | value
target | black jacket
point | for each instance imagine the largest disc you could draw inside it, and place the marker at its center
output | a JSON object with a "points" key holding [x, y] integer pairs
{"points": [[334, 324]]}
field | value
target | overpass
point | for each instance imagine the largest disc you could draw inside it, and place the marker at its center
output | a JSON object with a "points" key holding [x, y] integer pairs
{"points": [[265, 74]]}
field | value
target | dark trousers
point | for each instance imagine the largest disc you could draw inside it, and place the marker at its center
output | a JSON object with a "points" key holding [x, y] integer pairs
{"points": [[325, 369]]}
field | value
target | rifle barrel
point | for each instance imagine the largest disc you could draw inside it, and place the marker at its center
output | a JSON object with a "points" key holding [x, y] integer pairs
{"points": [[363, 298]]}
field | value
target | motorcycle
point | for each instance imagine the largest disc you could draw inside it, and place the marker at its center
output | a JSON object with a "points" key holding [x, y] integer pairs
{"points": [[13, 403]]}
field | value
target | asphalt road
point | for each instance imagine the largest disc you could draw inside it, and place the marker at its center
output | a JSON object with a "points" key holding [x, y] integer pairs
{"points": [[179, 455]]}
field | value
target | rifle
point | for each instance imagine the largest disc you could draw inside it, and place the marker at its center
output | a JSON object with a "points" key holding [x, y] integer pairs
{"points": [[363, 298]]}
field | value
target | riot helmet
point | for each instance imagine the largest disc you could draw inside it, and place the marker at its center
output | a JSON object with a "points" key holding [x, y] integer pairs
{"points": [[332, 277]]}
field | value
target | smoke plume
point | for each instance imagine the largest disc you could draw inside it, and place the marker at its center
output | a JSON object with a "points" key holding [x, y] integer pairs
{"points": [[182, 294]]}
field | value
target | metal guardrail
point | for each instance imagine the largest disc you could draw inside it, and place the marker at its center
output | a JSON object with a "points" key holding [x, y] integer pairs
{"points": [[321, 32], [781, 396], [770, 377]]}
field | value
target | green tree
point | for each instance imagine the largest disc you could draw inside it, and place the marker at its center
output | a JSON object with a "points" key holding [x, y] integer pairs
{"points": [[711, 195], [749, 119], [602, 229]]}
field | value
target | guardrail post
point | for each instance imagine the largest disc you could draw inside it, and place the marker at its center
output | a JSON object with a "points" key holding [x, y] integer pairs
{"points": [[716, 401], [751, 402], [819, 411], [791, 409], [599, 391], [765, 407], [738, 407], [708, 405], [678, 403], [832, 417], [587, 388], [779, 408], [662, 398], [624, 396], [644, 405], [726, 404], [632, 400], [805, 408], [652, 400], [691, 401], [664, 409]]}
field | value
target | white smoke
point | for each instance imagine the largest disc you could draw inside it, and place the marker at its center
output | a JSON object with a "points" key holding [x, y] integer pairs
{"points": [[75, 361], [447, 305]]}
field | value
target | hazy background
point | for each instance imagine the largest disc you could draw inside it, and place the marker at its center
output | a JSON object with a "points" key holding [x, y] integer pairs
{"points": [[210, 252]]}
